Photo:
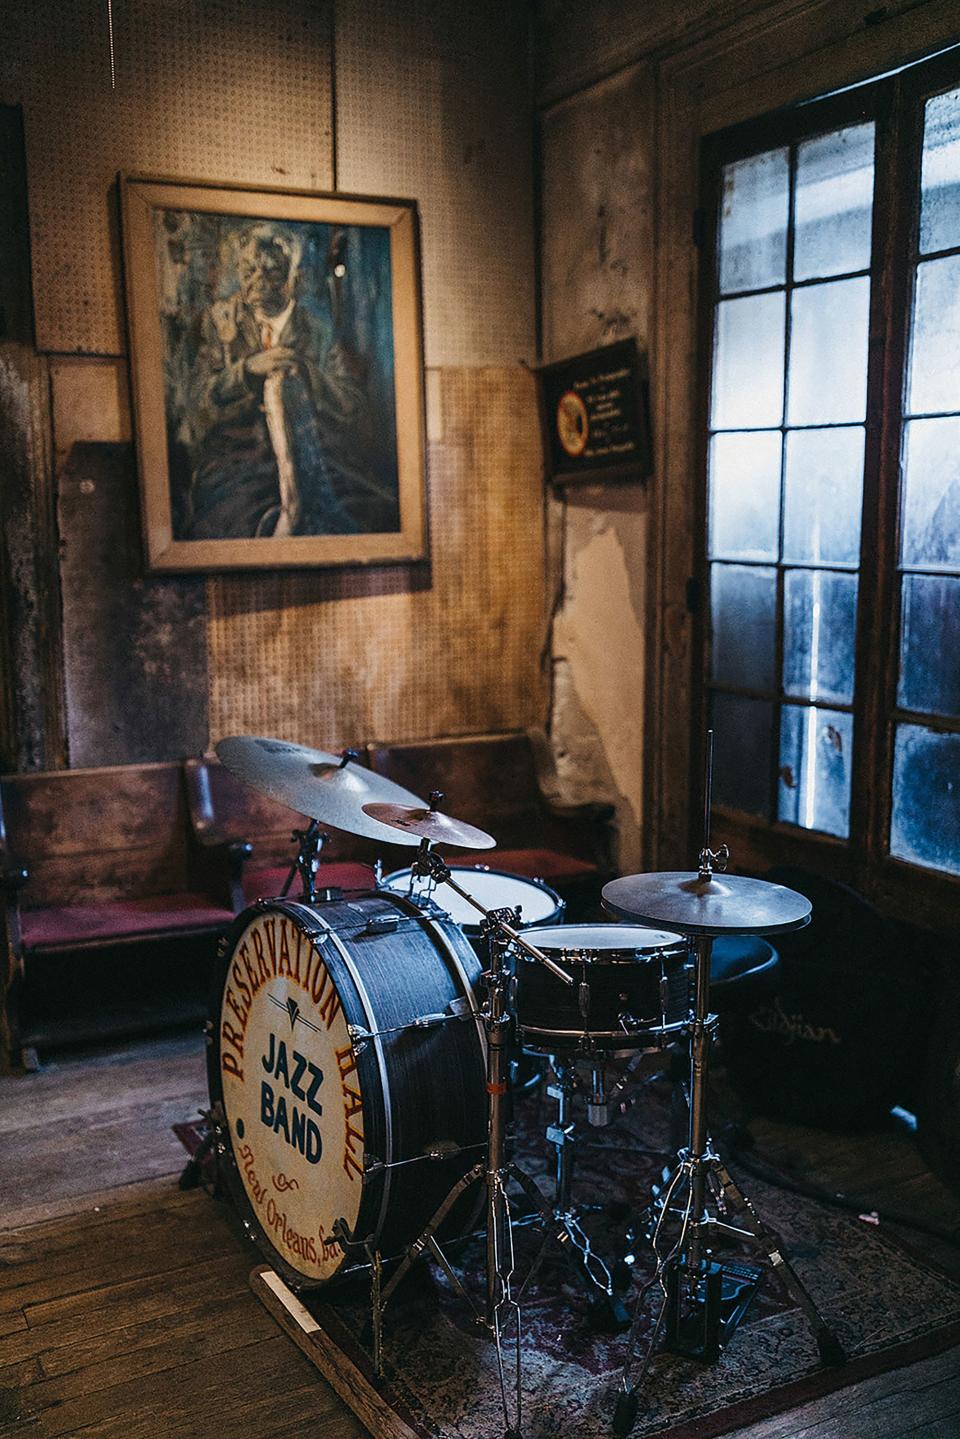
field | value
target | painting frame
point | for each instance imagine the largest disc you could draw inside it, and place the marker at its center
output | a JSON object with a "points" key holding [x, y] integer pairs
{"points": [[166, 550]]}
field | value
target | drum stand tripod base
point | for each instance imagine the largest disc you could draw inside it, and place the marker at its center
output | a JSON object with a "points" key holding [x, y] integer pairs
{"points": [[718, 1296]]}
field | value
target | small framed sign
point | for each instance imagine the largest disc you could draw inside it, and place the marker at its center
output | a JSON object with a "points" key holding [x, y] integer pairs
{"points": [[594, 413]]}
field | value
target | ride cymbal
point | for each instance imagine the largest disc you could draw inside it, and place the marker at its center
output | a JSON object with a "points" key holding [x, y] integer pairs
{"points": [[329, 788], [722, 904]]}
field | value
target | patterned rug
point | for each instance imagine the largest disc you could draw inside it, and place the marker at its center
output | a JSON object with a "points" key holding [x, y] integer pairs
{"points": [[886, 1305]]}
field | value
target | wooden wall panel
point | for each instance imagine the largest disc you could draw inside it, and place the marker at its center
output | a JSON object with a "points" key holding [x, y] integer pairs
{"points": [[135, 650], [31, 702]]}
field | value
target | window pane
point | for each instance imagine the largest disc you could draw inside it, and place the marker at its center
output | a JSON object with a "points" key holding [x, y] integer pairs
{"points": [[819, 633], [828, 352], [931, 493], [745, 495], [748, 367], [925, 827], [940, 184], [743, 737], [753, 222], [815, 753], [823, 496], [930, 645], [935, 342], [743, 602], [834, 203]]}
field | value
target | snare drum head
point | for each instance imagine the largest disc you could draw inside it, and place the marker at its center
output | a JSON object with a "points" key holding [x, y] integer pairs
{"points": [[494, 889], [603, 940], [290, 1093]]}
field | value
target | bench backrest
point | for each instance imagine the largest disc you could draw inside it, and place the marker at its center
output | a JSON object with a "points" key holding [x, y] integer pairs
{"points": [[89, 835], [238, 811]]}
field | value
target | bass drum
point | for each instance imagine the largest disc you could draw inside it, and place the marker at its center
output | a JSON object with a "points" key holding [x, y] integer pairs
{"points": [[345, 1042]]}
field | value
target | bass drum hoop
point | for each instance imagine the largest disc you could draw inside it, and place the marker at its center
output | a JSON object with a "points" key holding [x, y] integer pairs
{"points": [[378, 1095]]}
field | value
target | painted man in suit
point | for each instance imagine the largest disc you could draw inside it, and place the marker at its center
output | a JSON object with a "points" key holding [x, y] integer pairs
{"points": [[278, 403]]}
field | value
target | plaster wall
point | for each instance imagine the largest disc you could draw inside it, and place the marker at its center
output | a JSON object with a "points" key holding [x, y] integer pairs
{"points": [[597, 268]]}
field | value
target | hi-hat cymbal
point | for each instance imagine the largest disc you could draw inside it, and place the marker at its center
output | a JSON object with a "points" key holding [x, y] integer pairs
{"points": [[423, 823], [323, 786], [723, 904]]}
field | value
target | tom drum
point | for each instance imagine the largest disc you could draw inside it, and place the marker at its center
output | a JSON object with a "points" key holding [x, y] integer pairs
{"points": [[495, 889]]}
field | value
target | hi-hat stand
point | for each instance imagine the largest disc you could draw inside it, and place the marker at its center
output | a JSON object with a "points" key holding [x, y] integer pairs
{"points": [[699, 1206]]}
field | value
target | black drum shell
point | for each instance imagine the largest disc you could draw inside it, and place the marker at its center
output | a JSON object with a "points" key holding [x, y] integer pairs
{"points": [[435, 1075], [652, 987]]}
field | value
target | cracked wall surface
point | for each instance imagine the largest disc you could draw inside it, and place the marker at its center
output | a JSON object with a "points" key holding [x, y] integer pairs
{"points": [[597, 268]]}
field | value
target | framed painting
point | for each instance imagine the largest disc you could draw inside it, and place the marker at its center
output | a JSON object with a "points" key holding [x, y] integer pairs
{"points": [[276, 361]]}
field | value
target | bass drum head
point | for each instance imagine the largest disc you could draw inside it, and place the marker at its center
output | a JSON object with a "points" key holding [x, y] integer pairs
{"points": [[494, 889], [305, 1111]]}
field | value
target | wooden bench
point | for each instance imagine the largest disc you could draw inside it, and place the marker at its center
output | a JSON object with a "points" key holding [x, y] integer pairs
{"points": [[507, 785], [242, 840], [91, 859]]}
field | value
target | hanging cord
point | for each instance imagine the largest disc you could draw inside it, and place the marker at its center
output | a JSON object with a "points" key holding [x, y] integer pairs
{"points": [[113, 67], [793, 1184]]}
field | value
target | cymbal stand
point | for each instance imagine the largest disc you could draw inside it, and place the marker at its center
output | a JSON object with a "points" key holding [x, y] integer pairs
{"points": [[310, 842], [497, 1169], [691, 1281]]}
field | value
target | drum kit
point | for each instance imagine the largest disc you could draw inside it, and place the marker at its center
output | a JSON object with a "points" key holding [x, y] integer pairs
{"points": [[361, 1048]]}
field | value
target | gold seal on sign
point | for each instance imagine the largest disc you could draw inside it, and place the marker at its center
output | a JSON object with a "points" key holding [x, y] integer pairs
{"points": [[572, 425]]}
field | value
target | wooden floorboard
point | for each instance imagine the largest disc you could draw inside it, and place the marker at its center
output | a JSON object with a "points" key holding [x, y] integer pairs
{"points": [[125, 1309]]}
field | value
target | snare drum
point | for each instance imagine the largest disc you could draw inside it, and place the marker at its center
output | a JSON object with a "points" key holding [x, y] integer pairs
{"points": [[494, 889], [632, 989], [347, 1076]]}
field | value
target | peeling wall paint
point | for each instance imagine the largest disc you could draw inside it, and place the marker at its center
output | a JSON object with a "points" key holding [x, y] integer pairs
{"points": [[599, 648], [597, 278]]}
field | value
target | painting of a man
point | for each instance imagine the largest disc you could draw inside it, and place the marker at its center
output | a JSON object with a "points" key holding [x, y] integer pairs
{"points": [[278, 377]]}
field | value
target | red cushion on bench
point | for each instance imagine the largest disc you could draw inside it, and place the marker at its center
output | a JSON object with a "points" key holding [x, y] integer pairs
{"points": [[61, 927], [545, 864], [346, 874]]}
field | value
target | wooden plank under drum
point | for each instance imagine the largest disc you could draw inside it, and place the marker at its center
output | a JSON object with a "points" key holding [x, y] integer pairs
{"points": [[347, 1381]]}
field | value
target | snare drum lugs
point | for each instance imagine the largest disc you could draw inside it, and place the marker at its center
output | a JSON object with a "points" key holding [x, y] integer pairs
{"points": [[327, 1083]]}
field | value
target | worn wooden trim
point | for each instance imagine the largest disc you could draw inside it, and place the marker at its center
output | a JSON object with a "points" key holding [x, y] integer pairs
{"points": [[32, 726], [348, 1382]]}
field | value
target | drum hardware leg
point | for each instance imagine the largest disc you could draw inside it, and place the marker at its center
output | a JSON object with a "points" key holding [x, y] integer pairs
{"points": [[376, 1307], [704, 1300]]}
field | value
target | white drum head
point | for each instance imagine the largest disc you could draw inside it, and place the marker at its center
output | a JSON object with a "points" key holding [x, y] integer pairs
{"points": [[602, 937], [493, 890], [291, 1093]]}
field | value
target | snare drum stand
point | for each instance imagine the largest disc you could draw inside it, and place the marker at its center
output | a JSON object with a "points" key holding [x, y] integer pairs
{"points": [[499, 927]]}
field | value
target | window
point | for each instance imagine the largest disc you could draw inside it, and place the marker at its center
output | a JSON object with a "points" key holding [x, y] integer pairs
{"points": [[831, 635]]}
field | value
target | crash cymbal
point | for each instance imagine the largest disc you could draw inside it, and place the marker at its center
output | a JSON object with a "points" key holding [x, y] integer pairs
{"points": [[722, 904], [422, 823], [327, 787]]}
